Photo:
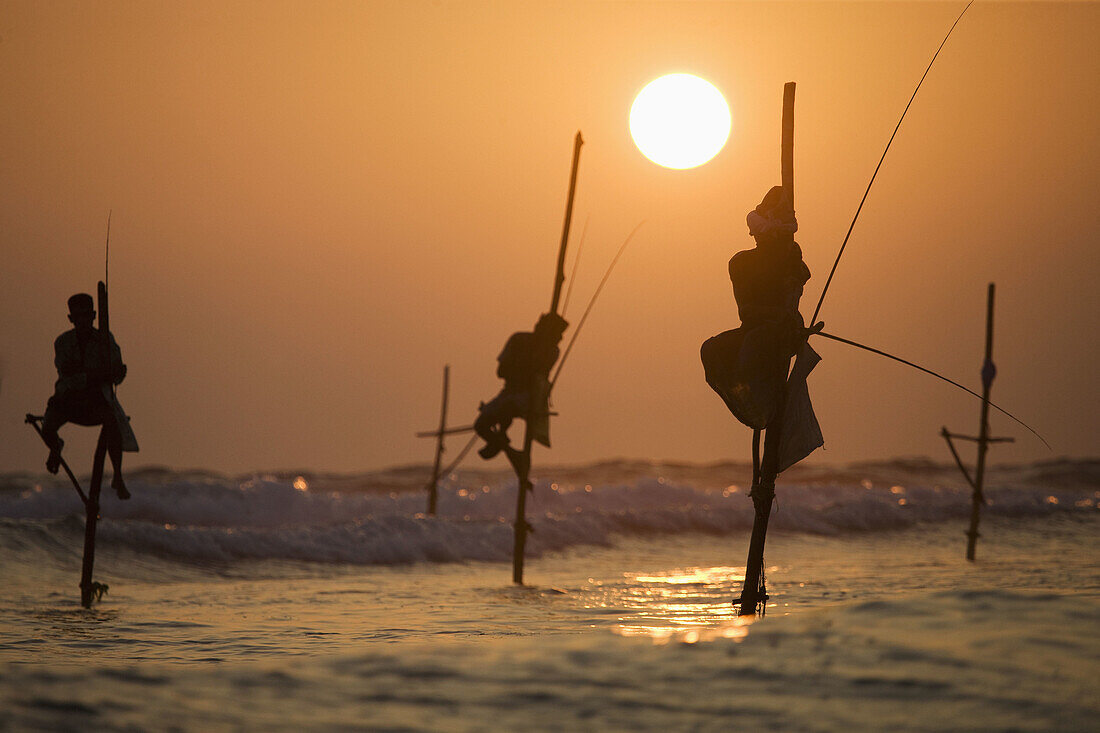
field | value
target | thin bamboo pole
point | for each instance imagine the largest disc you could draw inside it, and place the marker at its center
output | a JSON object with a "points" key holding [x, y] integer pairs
{"points": [[521, 463], [977, 481], [433, 487]]}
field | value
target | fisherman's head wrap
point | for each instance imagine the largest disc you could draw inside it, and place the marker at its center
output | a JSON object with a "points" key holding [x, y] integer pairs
{"points": [[773, 215], [775, 196], [551, 325]]}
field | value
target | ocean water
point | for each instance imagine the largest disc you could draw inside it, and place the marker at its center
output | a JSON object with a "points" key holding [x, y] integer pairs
{"points": [[298, 599]]}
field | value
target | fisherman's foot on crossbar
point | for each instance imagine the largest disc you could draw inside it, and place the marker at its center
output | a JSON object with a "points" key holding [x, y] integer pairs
{"points": [[488, 451], [53, 462], [494, 445]]}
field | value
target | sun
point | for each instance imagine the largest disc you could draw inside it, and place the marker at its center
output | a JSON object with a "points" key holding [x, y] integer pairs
{"points": [[679, 121]]}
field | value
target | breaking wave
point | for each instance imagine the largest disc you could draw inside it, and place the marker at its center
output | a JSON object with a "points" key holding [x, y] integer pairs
{"points": [[377, 518]]}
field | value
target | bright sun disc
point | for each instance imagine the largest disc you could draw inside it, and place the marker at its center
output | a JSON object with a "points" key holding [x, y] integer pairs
{"points": [[679, 121]]}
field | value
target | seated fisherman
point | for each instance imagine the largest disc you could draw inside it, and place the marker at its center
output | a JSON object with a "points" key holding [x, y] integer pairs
{"points": [[768, 279], [524, 365], [87, 362], [747, 366]]}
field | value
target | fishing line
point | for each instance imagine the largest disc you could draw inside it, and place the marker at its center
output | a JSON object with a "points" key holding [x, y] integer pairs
{"points": [[573, 273], [934, 374], [107, 271], [592, 302], [884, 152], [107, 252]]}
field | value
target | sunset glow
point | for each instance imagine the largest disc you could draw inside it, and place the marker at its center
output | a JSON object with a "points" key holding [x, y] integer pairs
{"points": [[326, 263], [680, 121]]}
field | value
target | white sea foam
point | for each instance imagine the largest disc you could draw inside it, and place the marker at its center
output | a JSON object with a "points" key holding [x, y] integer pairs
{"points": [[377, 518]]}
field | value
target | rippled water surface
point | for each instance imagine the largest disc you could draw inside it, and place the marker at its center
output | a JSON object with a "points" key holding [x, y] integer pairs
{"points": [[342, 608]]}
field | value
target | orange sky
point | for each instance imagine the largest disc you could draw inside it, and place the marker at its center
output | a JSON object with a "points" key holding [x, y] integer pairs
{"points": [[317, 205]]}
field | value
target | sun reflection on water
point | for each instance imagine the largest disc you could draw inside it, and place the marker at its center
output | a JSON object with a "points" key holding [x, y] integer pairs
{"points": [[686, 604]]}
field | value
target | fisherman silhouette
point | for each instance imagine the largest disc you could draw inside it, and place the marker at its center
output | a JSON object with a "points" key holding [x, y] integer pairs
{"points": [[87, 361], [524, 365], [748, 366]]}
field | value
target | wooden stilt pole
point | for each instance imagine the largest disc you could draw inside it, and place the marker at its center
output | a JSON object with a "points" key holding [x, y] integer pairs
{"points": [[433, 487], [754, 592], [521, 460], [559, 277], [989, 371], [977, 481], [87, 585], [521, 464], [89, 589], [787, 154]]}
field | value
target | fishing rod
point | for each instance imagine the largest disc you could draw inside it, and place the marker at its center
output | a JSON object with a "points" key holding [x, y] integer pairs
{"points": [[877, 167], [129, 440], [573, 272], [559, 277], [934, 374], [462, 454], [591, 302], [104, 317], [844, 244], [107, 252]]}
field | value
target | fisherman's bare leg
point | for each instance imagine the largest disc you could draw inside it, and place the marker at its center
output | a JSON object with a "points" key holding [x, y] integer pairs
{"points": [[495, 418], [114, 450], [495, 434], [51, 423]]}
